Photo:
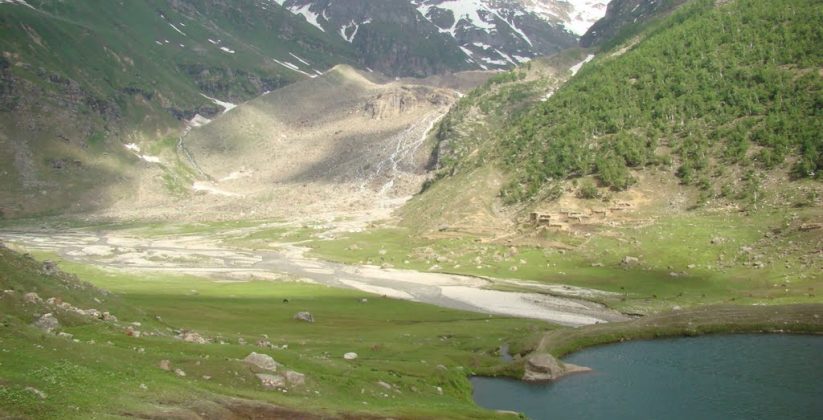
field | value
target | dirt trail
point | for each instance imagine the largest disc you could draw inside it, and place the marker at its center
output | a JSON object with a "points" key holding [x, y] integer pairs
{"points": [[201, 256]]}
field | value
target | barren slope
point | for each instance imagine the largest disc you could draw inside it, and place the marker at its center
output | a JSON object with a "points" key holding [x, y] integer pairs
{"points": [[336, 143]]}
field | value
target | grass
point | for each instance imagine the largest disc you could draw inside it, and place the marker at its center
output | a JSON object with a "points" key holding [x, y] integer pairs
{"points": [[268, 237], [678, 263], [401, 343], [721, 319]]}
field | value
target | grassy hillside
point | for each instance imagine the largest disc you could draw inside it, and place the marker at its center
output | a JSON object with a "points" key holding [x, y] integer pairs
{"points": [[413, 358], [78, 80]]}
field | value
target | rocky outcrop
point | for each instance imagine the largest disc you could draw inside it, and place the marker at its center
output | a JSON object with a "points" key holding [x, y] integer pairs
{"points": [[262, 361], [304, 316], [542, 367], [192, 337], [47, 323], [621, 14], [295, 378], [271, 381]]}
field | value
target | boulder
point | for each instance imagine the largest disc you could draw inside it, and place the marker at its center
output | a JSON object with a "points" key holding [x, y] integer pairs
{"points": [[179, 372], [350, 356], [165, 365], [32, 297], [262, 361], [304, 316], [94, 313], [295, 378], [271, 381], [132, 332], [544, 367], [47, 323], [627, 260], [192, 337], [49, 268]]}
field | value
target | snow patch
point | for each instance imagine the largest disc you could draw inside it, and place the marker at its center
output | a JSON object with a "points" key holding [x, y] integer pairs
{"points": [[575, 68], [310, 16], [463, 10], [210, 188], [292, 67], [18, 2], [468, 52], [134, 148], [586, 13], [581, 15], [198, 121], [300, 59], [505, 56], [176, 29], [516, 30], [227, 106], [345, 28]]}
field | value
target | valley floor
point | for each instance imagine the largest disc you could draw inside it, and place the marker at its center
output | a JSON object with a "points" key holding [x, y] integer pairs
{"points": [[201, 297], [138, 251]]}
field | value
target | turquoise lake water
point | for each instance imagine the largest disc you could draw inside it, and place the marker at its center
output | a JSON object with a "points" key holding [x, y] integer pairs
{"points": [[712, 377]]}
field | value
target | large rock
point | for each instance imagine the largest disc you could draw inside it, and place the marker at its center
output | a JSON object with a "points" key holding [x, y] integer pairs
{"points": [[295, 378], [271, 381], [350, 356], [192, 337], [47, 323], [263, 361], [304, 316], [628, 260], [49, 268], [544, 367], [32, 297], [94, 313]]}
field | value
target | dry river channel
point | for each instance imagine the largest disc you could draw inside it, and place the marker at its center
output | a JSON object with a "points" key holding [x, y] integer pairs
{"points": [[208, 256]]}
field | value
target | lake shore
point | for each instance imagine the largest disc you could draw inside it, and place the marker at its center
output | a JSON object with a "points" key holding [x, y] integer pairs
{"points": [[706, 320]]}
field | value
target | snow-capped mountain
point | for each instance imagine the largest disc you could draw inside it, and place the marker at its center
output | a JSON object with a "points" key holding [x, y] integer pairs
{"points": [[428, 34], [576, 15]]}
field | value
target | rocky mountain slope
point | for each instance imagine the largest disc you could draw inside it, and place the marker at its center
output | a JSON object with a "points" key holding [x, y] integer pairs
{"points": [[79, 81], [418, 37], [626, 17], [337, 143]]}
